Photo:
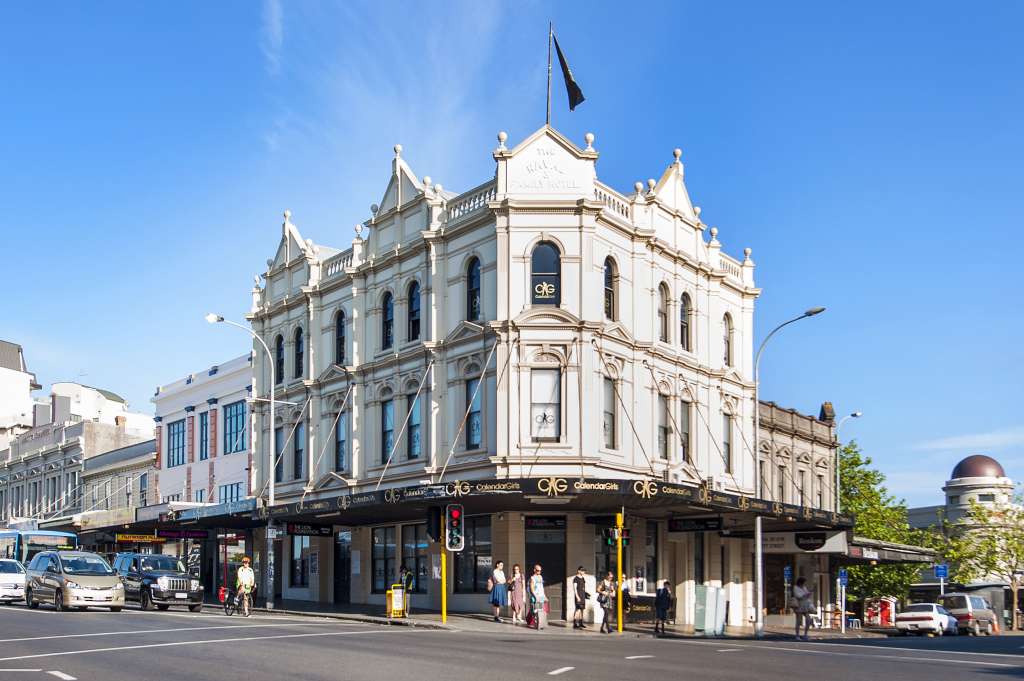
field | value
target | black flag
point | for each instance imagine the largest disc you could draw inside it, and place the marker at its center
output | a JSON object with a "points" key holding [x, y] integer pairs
{"points": [[572, 89]]}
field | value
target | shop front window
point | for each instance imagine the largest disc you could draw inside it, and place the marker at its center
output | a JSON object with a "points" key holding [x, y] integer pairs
{"points": [[384, 573], [473, 564], [300, 561], [414, 555]]}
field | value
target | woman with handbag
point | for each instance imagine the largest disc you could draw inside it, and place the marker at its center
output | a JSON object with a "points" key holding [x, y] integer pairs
{"points": [[538, 599], [498, 588], [803, 606], [606, 593], [517, 594]]}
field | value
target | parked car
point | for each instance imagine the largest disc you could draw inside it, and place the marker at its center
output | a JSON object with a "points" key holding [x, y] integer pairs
{"points": [[72, 579], [12, 581], [973, 613], [926, 618], [156, 579]]}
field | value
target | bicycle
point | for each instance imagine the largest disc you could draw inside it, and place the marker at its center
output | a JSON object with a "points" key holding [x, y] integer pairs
{"points": [[233, 602]]}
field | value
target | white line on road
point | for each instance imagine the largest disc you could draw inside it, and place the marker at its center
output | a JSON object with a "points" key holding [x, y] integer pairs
{"points": [[639, 657], [729, 650], [208, 641], [560, 670], [906, 658], [20, 670], [62, 676], [163, 631]]}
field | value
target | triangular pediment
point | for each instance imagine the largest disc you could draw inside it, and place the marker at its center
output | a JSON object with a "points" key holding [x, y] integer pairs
{"points": [[290, 247], [403, 186], [547, 165], [671, 191], [465, 330], [617, 331]]}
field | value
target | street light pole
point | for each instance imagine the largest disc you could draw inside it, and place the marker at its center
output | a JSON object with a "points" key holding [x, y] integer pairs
{"points": [[268, 572], [839, 443], [758, 548]]}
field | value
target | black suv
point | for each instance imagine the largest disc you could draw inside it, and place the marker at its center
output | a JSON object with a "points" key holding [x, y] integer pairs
{"points": [[156, 579]]}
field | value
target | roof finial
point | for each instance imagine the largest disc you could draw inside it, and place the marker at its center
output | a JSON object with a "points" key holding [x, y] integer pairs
{"points": [[650, 185], [287, 217], [359, 230], [638, 187], [589, 138], [426, 183], [502, 138], [374, 208], [677, 152], [398, 151], [714, 236], [746, 255]]}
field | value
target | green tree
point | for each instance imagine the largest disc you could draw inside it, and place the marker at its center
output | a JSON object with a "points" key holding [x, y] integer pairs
{"points": [[879, 515]]}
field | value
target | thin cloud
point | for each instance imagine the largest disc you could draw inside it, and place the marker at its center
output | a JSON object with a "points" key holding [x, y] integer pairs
{"points": [[272, 38], [995, 439]]}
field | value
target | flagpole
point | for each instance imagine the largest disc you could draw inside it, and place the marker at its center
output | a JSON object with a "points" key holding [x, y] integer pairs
{"points": [[551, 32]]}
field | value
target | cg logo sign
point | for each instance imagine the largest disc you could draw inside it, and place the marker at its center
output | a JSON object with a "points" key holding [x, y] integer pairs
{"points": [[457, 489], [704, 495], [645, 488], [552, 486], [392, 496], [744, 504], [544, 289]]}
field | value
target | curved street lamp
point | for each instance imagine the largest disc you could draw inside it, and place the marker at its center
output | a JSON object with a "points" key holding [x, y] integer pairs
{"points": [[839, 444]]}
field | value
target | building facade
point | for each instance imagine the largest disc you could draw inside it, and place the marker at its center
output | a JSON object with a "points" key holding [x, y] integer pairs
{"points": [[40, 472], [115, 485], [543, 348], [16, 386]]}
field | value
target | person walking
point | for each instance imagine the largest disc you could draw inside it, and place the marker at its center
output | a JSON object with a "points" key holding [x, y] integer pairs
{"points": [[579, 588], [802, 606], [498, 586], [606, 594], [662, 604], [517, 594], [538, 599]]}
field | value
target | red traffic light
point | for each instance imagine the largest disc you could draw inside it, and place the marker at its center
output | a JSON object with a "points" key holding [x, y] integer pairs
{"points": [[456, 513]]}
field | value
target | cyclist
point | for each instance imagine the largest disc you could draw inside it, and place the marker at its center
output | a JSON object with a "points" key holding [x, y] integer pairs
{"points": [[245, 580]]}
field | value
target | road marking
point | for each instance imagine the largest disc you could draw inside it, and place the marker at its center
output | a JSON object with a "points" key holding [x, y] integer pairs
{"points": [[729, 650], [20, 670], [208, 641], [849, 646], [560, 670], [162, 631], [62, 676], [639, 657]]}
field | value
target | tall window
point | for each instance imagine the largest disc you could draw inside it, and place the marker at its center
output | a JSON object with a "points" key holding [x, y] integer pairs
{"points": [[684, 321], [387, 325], [546, 404], [780, 484], [651, 555], [698, 557], [341, 443], [727, 340], [610, 410], [300, 353], [204, 436], [413, 444], [762, 467], [199, 496], [805, 496], [610, 281], [339, 338], [279, 359], [278, 457], [684, 432], [414, 311], [473, 564], [143, 489], [727, 441], [234, 427], [473, 310], [387, 429], [229, 493], [474, 423], [821, 492], [414, 554], [300, 561], [299, 450], [176, 443], [664, 430], [384, 573], [546, 274], [663, 313]]}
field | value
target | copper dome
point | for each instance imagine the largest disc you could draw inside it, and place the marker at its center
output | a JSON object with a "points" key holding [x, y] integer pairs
{"points": [[978, 466]]}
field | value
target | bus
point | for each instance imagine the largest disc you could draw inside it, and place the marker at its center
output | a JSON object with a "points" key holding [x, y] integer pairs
{"points": [[22, 545]]}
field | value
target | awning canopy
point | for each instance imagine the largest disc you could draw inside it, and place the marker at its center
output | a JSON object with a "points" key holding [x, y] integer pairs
{"points": [[864, 551]]}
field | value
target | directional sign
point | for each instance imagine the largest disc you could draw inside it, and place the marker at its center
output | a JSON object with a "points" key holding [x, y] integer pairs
{"points": [[941, 571], [787, 573], [843, 577]]}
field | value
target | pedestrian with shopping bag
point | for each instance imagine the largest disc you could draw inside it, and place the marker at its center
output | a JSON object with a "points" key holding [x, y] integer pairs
{"points": [[803, 605], [606, 595], [538, 599]]}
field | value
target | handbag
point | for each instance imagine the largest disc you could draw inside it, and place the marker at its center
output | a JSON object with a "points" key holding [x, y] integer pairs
{"points": [[490, 584], [602, 599], [547, 606]]}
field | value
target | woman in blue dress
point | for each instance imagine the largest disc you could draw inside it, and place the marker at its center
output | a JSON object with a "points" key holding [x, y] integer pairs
{"points": [[499, 589]]}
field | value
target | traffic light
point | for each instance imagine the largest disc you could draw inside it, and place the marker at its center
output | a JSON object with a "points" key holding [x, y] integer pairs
{"points": [[455, 540], [434, 523], [608, 535], [625, 536]]}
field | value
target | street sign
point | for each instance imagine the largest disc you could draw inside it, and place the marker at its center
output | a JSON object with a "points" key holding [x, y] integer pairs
{"points": [[942, 571], [843, 577], [787, 573]]}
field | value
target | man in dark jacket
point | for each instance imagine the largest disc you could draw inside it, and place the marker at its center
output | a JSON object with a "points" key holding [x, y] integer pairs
{"points": [[662, 604]]}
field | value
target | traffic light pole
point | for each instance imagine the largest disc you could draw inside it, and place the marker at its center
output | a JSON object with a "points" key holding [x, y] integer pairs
{"points": [[618, 568], [444, 584]]}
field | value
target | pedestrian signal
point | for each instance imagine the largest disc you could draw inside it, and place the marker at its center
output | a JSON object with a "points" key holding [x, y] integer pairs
{"points": [[455, 539], [625, 536]]}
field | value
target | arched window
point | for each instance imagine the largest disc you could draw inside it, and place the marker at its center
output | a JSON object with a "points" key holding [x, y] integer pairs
{"points": [[339, 338], [663, 313], [473, 291], [611, 280], [387, 327], [414, 311], [300, 353], [727, 340], [684, 321], [546, 274], [279, 359]]}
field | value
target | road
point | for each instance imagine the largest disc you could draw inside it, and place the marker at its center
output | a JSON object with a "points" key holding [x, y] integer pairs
{"points": [[41, 645]]}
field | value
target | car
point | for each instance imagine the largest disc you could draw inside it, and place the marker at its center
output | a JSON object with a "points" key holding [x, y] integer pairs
{"points": [[76, 579], [973, 613], [156, 579], [926, 618], [12, 581]]}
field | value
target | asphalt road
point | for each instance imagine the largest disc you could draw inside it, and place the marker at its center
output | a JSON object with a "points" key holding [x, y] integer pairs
{"points": [[40, 645]]}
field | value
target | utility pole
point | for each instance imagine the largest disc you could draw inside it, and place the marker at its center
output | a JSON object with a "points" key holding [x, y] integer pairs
{"points": [[618, 568]]}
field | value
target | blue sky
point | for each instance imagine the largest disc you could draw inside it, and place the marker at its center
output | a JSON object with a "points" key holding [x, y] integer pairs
{"points": [[868, 153]]}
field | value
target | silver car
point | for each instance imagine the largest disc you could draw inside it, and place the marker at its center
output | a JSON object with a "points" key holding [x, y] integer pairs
{"points": [[76, 579], [12, 581]]}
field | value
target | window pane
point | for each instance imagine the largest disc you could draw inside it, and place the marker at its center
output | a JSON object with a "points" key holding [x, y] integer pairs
{"points": [[300, 450], [387, 424], [341, 443], [412, 432], [474, 422], [545, 412], [610, 409]]}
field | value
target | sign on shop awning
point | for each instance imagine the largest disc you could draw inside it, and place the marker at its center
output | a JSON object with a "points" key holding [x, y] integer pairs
{"points": [[805, 542]]}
